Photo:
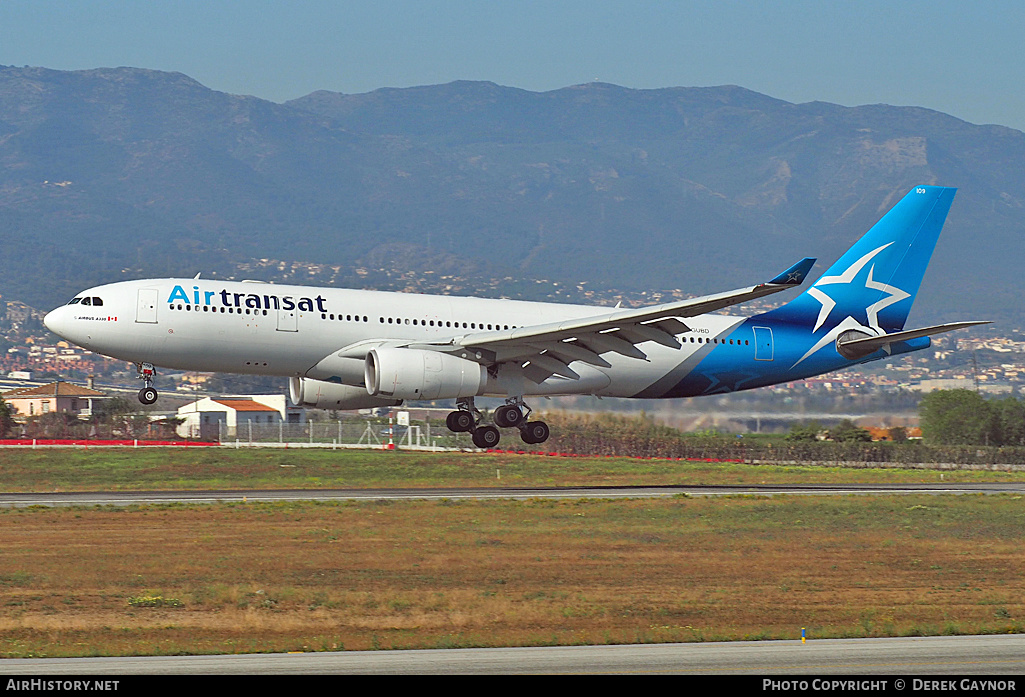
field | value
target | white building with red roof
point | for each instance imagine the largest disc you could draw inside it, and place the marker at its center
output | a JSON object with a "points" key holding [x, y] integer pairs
{"points": [[213, 417], [57, 396]]}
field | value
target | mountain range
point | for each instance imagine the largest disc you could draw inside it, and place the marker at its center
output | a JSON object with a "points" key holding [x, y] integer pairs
{"points": [[120, 173]]}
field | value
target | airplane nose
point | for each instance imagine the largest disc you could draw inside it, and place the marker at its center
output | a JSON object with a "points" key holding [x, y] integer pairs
{"points": [[52, 321]]}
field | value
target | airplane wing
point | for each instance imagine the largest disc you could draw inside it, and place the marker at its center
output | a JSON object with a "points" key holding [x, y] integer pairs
{"points": [[548, 349]]}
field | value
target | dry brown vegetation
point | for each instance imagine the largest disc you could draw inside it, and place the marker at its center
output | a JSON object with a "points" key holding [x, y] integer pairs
{"points": [[417, 574]]}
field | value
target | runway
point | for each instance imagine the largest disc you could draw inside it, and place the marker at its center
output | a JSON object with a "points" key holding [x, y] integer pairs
{"points": [[998, 655], [135, 498]]}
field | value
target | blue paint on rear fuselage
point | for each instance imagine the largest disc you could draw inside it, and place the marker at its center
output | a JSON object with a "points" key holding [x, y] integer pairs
{"points": [[731, 367]]}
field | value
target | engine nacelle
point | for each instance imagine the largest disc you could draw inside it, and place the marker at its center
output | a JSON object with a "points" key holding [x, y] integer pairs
{"points": [[403, 373], [318, 394]]}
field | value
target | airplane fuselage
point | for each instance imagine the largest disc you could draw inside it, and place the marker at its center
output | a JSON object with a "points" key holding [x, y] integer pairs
{"points": [[347, 349], [287, 330]]}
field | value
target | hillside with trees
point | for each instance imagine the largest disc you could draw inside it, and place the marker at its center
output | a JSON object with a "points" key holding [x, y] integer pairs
{"points": [[122, 173]]}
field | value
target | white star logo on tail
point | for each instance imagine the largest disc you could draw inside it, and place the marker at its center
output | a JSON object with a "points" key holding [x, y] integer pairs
{"points": [[893, 295]]}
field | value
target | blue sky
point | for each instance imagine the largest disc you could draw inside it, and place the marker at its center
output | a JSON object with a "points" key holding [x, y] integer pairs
{"points": [[962, 58]]}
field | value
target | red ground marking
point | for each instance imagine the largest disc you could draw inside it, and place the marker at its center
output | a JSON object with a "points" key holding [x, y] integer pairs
{"points": [[122, 443]]}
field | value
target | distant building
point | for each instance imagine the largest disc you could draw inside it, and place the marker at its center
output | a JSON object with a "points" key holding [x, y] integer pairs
{"points": [[881, 433], [59, 396], [944, 384], [213, 417]]}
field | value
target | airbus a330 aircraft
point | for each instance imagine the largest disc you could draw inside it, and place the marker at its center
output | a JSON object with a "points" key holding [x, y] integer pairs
{"points": [[354, 349]]}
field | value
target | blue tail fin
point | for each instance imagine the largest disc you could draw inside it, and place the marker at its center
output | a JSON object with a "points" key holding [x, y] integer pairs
{"points": [[873, 285]]}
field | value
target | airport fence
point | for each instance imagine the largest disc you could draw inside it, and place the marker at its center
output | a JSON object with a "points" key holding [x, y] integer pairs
{"points": [[64, 427], [732, 448], [608, 437], [343, 433]]}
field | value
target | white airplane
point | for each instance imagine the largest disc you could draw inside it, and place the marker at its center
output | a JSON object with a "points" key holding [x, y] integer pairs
{"points": [[354, 349]]}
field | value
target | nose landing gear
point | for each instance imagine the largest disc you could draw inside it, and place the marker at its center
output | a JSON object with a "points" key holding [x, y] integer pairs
{"points": [[148, 394], [512, 414]]}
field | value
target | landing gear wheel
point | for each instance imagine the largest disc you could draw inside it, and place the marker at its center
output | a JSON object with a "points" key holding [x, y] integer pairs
{"points": [[147, 395], [534, 432], [486, 437], [459, 421], [508, 416]]}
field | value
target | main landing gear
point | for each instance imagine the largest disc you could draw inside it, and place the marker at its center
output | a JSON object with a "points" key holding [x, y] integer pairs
{"points": [[148, 394], [512, 414]]}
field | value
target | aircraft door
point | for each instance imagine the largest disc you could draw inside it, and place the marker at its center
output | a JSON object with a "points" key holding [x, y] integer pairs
{"points": [[288, 320], [763, 343], [146, 305]]}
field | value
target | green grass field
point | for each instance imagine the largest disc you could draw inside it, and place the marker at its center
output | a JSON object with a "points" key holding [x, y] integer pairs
{"points": [[78, 469]]}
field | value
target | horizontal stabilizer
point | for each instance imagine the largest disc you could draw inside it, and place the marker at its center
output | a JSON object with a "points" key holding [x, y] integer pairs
{"points": [[864, 345]]}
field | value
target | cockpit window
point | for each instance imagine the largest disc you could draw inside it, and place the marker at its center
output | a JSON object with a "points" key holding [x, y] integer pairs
{"points": [[75, 301], [97, 302], [87, 301]]}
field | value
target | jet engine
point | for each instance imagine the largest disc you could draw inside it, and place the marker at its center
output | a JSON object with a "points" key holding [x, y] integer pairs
{"points": [[331, 395], [403, 373]]}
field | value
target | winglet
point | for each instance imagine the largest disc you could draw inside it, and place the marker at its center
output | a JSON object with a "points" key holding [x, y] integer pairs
{"points": [[794, 276]]}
